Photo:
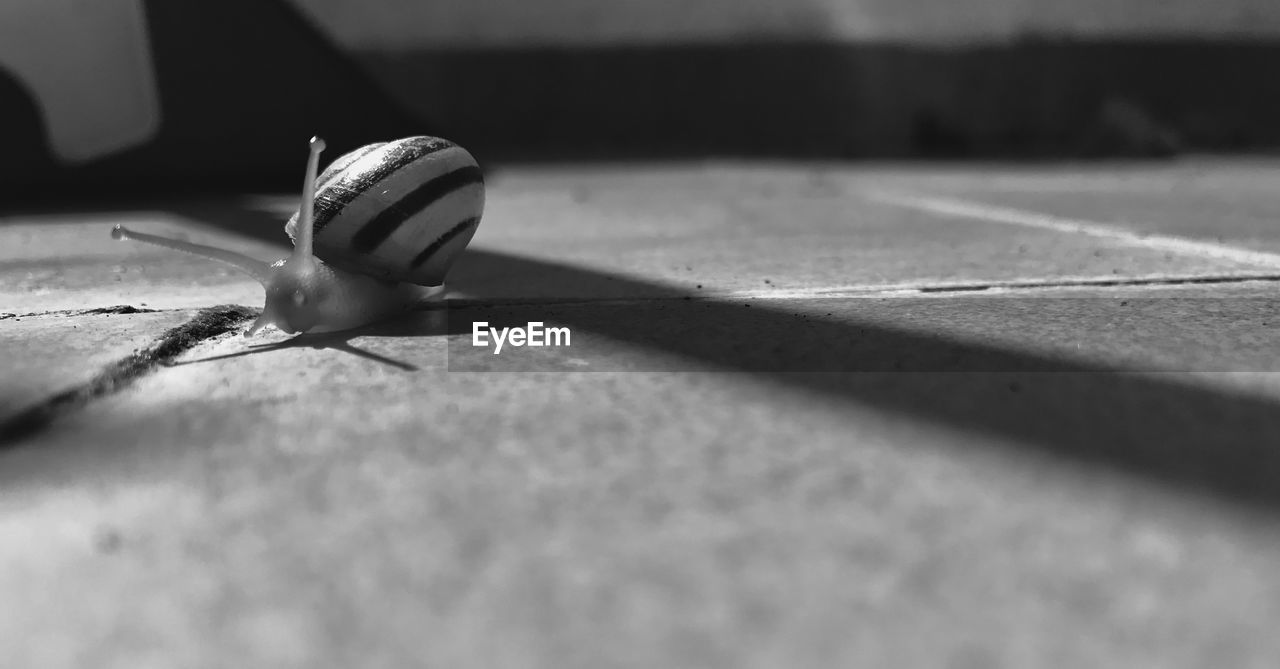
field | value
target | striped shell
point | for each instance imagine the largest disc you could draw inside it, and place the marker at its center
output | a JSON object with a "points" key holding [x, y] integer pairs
{"points": [[400, 211]]}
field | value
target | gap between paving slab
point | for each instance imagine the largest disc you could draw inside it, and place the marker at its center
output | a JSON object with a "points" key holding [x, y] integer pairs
{"points": [[119, 374], [47, 353]]}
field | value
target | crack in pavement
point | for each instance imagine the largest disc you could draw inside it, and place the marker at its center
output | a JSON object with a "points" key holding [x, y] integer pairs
{"points": [[117, 309], [1100, 283], [205, 325], [777, 293], [870, 290]]}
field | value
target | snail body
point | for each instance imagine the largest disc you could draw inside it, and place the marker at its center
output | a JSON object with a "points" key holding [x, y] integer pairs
{"points": [[378, 225]]}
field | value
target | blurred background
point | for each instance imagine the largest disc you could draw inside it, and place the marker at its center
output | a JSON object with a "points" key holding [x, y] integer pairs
{"points": [[127, 96]]}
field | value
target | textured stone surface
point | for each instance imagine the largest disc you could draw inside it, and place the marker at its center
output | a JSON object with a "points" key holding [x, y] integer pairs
{"points": [[764, 229], [50, 353], [712, 229], [1076, 476], [250, 508]]}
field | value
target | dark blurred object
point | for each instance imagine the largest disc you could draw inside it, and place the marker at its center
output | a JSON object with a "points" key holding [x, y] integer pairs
{"points": [[242, 84]]}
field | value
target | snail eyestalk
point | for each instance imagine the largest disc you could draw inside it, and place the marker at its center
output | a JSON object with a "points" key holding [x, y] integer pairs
{"points": [[306, 213], [393, 218], [251, 266]]}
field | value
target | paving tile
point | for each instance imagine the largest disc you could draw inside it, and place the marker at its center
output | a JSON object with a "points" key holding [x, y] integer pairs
{"points": [[254, 502], [1203, 200], [1238, 174], [46, 354], [1224, 219], [728, 228]]}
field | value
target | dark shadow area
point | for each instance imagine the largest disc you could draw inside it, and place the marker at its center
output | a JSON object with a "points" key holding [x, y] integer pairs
{"points": [[1196, 438], [1214, 441], [22, 129]]}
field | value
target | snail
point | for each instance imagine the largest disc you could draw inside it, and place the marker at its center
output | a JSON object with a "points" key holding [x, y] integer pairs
{"points": [[376, 227]]}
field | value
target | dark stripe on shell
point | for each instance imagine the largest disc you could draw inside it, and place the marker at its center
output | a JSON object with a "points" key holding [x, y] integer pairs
{"points": [[444, 239], [332, 199], [381, 227]]}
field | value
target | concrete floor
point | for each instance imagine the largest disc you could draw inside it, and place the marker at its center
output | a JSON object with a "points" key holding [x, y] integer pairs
{"points": [[965, 416]]}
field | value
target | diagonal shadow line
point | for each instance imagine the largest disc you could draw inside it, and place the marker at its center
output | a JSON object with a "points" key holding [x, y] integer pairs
{"points": [[1216, 442], [1212, 441]]}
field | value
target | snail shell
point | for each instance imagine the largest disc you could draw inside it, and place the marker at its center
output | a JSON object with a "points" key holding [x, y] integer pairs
{"points": [[400, 211]]}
